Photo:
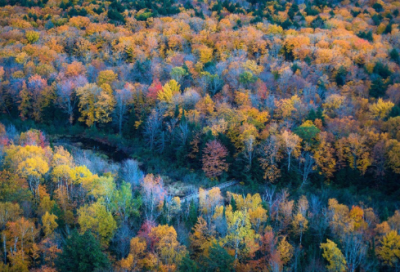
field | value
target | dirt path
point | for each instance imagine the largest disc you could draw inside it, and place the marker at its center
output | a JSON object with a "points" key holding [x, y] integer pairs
{"points": [[220, 186]]}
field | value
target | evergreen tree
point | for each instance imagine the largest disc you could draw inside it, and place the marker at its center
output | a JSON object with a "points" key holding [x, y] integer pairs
{"points": [[394, 55], [192, 218], [218, 260], [312, 115], [378, 88], [81, 253], [188, 265], [233, 204], [341, 76]]}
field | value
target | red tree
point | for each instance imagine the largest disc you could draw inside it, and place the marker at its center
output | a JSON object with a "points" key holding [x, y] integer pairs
{"points": [[214, 163], [154, 89]]}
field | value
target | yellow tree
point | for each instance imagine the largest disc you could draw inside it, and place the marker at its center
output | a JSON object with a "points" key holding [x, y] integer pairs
{"points": [[105, 104], [324, 155], [286, 107], [167, 248], [49, 223], [206, 105], [106, 76], [340, 221], [285, 250], [381, 109], [21, 233], [333, 256], [300, 222], [102, 188], [393, 155], [61, 174], [291, 145], [9, 212], [135, 259], [168, 91], [300, 225], [202, 238], [18, 262], [95, 104], [250, 202], [30, 162], [205, 53], [46, 204], [389, 251], [33, 169], [357, 215], [38, 96], [209, 202], [240, 236], [356, 152], [270, 157], [258, 217], [96, 218], [32, 36]]}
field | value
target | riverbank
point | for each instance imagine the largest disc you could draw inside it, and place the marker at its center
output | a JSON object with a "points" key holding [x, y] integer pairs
{"points": [[113, 152], [178, 177], [182, 186]]}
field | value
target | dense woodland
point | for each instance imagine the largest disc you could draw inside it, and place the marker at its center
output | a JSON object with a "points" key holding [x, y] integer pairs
{"points": [[299, 102]]}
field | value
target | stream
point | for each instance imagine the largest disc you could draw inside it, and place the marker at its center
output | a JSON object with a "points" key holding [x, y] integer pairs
{"points": [[113, 153], [116, 155]]}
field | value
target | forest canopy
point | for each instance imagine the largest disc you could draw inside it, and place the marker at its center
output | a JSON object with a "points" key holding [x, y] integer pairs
{"points": [[236, 135]]}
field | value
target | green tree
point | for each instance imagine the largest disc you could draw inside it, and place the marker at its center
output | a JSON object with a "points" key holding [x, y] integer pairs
{"points": [[13, 188], [188, 265], [307, 131], [192, 218], [218, 260], [340, 77], [81, 253], [378, 88]]}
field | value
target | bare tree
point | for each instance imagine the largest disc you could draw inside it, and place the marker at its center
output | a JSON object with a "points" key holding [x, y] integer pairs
{"points": [[248, 151], [161, 142], [121, 241], [306, 166], [270, 156], [269, 195], [153, 193], [291, 144], [65, 93], [355, 250], [131, 172], [153, 126], [183, 133], [123, 99]]}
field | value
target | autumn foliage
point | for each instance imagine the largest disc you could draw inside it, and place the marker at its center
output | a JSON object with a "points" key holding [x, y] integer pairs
{"points": [[226, 135], [214, 163]]}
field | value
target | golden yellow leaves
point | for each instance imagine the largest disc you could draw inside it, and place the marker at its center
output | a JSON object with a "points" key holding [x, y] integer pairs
{"points": [[168, 91], [96, 218], [79, 21], [167, 248], [32, 36], [333, 256], [49, 223], [389, 251], [381, 109], [95, 104]]}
